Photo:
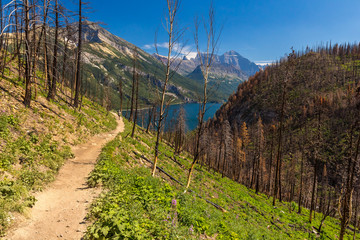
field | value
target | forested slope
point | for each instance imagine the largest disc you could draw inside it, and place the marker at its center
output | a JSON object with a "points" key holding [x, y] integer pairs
{"points": [[292, 132], [135, 205]]}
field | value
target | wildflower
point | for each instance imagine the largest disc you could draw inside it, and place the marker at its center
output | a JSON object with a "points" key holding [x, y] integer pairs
{"points": [[173, 202], [191, 229]]}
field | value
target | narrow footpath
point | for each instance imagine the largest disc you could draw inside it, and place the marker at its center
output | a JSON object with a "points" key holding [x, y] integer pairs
{"points": [[61, 208]]}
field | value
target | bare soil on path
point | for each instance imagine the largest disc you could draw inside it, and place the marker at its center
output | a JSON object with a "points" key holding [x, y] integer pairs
{"points": [[61, 208]]}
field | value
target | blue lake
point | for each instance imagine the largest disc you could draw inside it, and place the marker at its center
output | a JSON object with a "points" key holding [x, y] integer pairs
{"points": [[191, 114]]}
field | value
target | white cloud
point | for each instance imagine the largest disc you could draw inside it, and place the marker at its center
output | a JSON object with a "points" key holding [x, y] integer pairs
{"points": [[191, 55], [264, 63], [148, 46], [178, 49], [162, 45], [152, 46]]}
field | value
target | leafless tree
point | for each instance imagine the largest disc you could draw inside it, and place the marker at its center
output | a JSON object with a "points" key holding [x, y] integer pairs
{"points": [[174, 36], [179, 137], [206, 61], [52, 85], [353, 162], [259, 157], [1, 25], [135, 91], [27, 98], [78, 58], [121, 94]]}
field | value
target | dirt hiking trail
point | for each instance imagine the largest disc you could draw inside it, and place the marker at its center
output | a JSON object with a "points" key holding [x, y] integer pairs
{"points": [[61, 208]]}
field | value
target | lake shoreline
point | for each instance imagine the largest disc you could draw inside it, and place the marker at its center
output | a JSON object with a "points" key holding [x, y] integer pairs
{"points": [[191, 113], [149, 107]]}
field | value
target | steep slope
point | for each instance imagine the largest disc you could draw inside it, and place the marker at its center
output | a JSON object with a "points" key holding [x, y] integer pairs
{"points": [[60, 209], [292, 131], [136, 205], [35, 142], [313, 84], [304, 79], [109, 58]]}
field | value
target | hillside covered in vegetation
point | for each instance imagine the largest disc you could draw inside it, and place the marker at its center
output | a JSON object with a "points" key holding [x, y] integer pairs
{"points": [[135, 205], [292, 132], [280, 160], [36, 141]]}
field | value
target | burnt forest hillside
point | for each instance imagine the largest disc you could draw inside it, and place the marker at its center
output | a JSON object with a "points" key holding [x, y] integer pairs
{"points": [[292, 131]]}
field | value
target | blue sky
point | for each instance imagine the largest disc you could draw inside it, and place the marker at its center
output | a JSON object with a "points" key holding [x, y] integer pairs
{"points": [[260, 30]]}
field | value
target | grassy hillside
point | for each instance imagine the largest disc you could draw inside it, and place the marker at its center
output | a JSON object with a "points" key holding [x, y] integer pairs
{"points": [[295, 131], [35, 142], [135, 205]]}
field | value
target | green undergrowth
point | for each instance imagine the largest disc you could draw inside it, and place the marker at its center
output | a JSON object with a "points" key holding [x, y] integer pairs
{"points": [[35, 142], [135, 205]]}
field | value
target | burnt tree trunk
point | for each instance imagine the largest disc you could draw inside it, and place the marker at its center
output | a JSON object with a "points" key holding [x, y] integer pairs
{"points": [[27, 98], [78, 60]]}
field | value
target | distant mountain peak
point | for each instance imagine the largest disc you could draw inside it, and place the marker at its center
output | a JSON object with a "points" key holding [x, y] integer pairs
{"points": [[232, 52], [242, 67], [158, 56], [185, 58]]}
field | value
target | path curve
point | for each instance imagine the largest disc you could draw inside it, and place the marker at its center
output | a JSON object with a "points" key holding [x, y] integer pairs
{"points": [[61, 208]]}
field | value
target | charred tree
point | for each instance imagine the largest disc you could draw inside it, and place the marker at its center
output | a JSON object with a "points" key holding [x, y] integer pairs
{"points": [[78, 59]]}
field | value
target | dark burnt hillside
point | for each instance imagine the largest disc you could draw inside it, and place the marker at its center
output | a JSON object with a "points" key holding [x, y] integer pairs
{"points": [[306, 77], [292, 132]]}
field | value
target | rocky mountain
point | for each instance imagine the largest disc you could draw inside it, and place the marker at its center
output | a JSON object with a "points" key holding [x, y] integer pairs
{"points": [[234, 59], [230, 59], [185, 65], [228, 70], [109, 58]]}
